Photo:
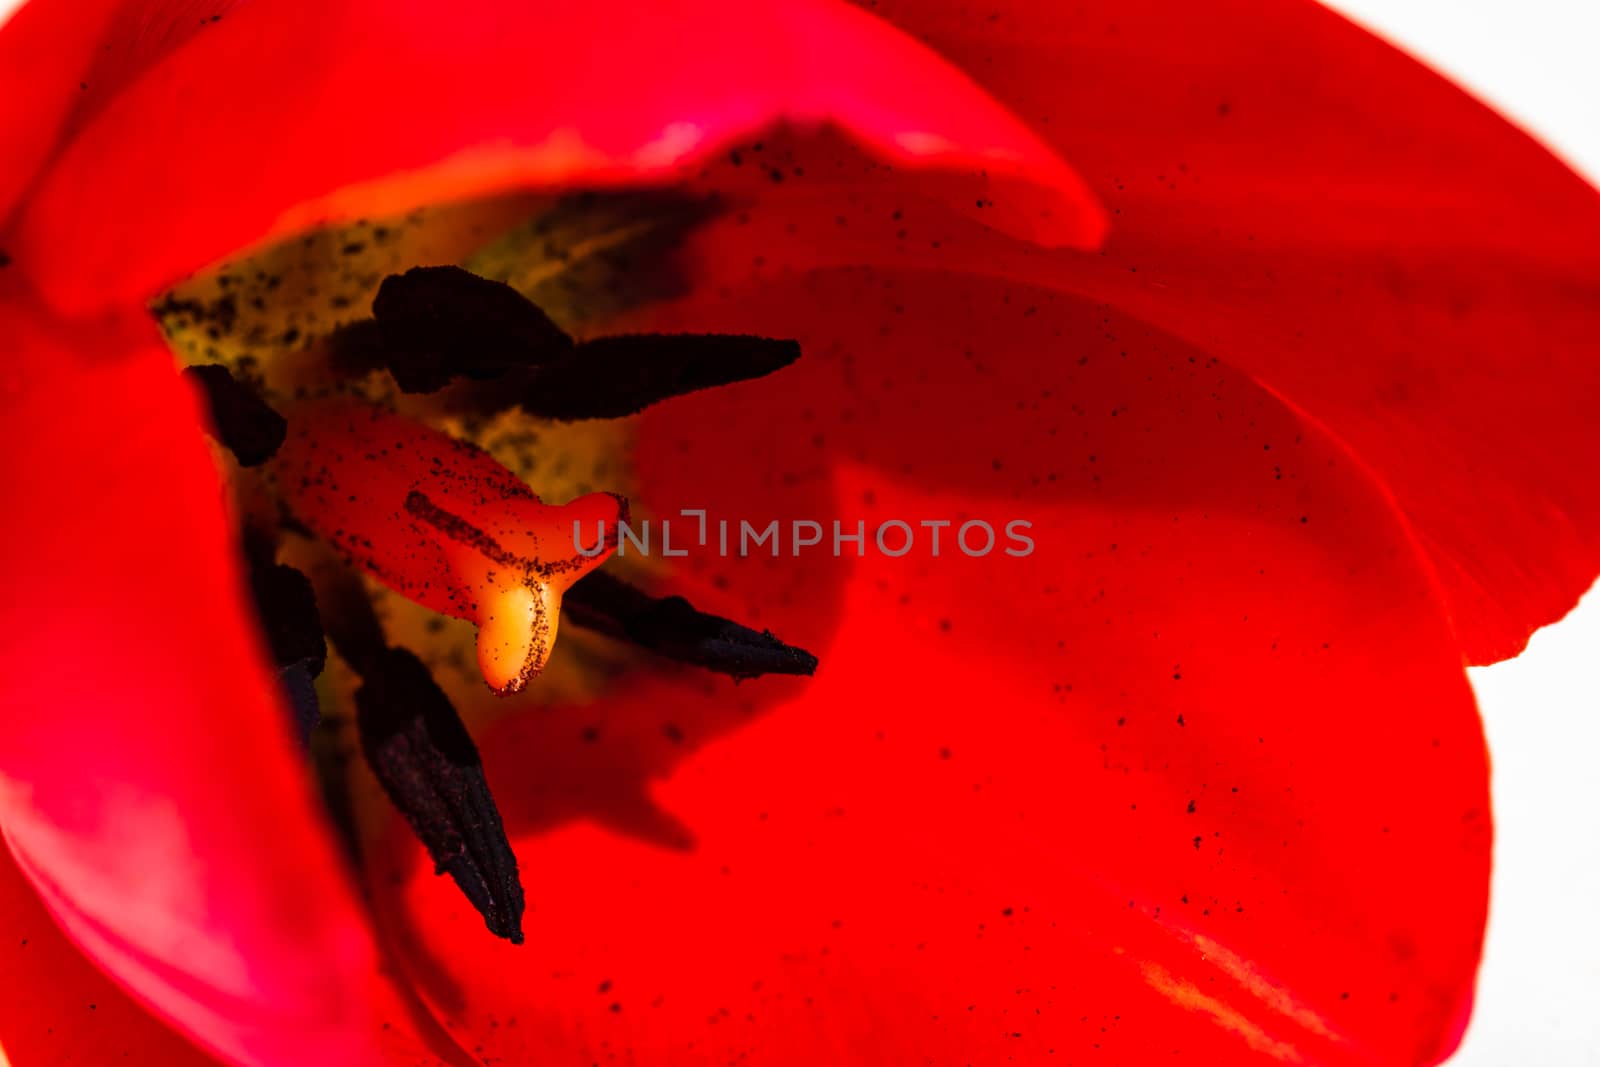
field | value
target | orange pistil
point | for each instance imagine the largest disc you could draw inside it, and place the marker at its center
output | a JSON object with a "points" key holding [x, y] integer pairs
{"points": [[444, 524]]}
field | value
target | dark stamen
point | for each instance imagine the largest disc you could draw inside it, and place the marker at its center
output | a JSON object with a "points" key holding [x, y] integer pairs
{"points": [[244, 423], [671, 627], [427, 763], [287, 607], [611, 377], [439, 323], [432, 325], [424, 758]]}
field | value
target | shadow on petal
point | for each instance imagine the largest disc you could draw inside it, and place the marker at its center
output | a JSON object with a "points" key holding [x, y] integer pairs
{"points": [[1196, 777]]}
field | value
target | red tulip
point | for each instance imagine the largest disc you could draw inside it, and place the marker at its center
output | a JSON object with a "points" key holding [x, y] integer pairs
{"points": [[1290, 384]]}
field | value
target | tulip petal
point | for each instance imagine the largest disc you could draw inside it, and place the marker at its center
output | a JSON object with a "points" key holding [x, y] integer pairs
{"points": [[286, 115], [41, 46], [57, 1008], [1322, 212], [1198, 779], [149, 785], [62, 61]]}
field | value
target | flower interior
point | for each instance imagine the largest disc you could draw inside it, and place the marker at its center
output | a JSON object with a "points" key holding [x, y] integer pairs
{"points": [[407, 408]]}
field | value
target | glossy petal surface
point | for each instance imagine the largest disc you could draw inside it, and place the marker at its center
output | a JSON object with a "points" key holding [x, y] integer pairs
{"points": [[57, 1008], [149, 787]]}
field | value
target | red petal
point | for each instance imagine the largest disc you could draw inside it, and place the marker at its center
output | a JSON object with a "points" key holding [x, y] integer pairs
{"points": [[284, 115], [57, 1008], [1320, 211], [148, 784], [62, 61], [42, 46], [971, 838]]}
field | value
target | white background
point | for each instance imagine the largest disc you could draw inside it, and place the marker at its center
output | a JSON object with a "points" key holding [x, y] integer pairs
{"points": [[1539, 996], [1539, 991]]}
